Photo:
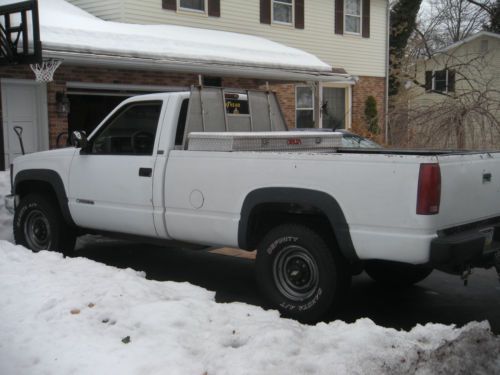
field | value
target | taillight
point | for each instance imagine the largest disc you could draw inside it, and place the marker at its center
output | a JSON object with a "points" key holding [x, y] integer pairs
{"points": [[429, 189]]}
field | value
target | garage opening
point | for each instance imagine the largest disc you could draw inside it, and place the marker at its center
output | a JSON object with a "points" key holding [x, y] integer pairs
{"points": [[88, 104]]}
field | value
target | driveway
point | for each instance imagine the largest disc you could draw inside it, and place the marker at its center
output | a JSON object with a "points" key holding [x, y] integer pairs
{"points": [[440, 298]]}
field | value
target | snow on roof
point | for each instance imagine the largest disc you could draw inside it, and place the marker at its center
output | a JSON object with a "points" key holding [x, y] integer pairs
{"points": [[65, 27]]}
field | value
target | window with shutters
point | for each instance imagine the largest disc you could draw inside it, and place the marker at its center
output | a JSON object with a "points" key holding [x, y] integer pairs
{"points": [[282, 11], [352, 14], [193, 5], [440, 81]]}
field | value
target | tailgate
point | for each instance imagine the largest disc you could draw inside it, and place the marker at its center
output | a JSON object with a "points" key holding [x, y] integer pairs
{"points": [[470, 188]]}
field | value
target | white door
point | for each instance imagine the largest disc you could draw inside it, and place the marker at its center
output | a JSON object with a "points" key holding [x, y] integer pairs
{"points": [[24, 105], [111, 182]]}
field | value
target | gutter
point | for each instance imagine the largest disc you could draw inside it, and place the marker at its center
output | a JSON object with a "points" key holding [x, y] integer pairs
{"points": [[196, 67]]}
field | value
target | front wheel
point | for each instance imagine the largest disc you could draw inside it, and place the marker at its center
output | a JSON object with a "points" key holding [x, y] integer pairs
{"points": [[39, 225], [299, 274]]}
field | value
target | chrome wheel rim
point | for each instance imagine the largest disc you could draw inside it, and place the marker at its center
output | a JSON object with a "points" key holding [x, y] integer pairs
{"points": [[37, 231], [296, 273]]}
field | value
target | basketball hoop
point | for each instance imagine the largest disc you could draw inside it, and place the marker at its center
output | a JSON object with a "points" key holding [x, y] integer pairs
{"points": [[44, 72]]}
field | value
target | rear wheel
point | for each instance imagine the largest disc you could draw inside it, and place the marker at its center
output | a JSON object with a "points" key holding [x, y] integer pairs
{"points": [[299, 274], [397, 274], [39, 225]]}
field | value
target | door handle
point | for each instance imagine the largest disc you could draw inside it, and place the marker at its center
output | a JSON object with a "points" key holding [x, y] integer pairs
{"points": [[145, 172]]}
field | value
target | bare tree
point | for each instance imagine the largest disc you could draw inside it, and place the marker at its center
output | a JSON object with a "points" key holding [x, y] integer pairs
{"points": [[465, 116], [492, 8], [449, 21]]}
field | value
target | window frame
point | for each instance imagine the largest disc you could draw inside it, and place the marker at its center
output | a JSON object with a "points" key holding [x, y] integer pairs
{"points": [[447, 81], [118, 112], [297, 108], [353, 15], [292, 5], [180, 8]]}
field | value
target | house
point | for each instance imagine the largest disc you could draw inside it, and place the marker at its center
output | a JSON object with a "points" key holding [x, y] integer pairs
{"points": [[323, 58], [454, 100]]}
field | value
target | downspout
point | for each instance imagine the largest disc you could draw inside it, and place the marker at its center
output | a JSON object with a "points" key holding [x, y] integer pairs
{"points": [[387, 50]]}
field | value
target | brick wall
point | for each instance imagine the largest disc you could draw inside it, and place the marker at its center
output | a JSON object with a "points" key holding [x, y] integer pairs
{"points": [[365, 87]]}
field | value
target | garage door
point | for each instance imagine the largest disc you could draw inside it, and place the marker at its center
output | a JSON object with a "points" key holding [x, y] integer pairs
{"points": [[24, 105]]}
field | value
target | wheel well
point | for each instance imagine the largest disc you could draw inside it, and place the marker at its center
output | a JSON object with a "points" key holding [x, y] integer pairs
{"points": [[32, 186], [266, 216]]}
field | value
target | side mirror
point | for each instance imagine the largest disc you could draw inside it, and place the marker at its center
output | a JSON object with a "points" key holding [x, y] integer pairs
{"points": [[79, 139]]}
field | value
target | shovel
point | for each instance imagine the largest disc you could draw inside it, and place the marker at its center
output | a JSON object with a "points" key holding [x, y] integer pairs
{"points": [[19, 132]]}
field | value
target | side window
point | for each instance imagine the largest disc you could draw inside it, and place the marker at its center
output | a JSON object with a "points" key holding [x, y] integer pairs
{"points": [[283, 11], [131, 131], [196, 5], [353, 16], [304, 107]]}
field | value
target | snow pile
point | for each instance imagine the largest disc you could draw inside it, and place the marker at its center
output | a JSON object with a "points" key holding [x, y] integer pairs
{"points": [[65, 27], [62, 316]]}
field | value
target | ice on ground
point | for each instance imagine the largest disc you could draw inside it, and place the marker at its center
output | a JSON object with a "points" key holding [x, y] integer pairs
{"points": [[65, 27], [76, 316]]}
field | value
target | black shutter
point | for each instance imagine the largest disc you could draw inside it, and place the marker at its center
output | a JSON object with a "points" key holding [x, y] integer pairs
{"points": [[169, 4], [339, 16], [265, 11], [299, 14], [214, 8], [366, 18], [428, 80], [451, 81]]}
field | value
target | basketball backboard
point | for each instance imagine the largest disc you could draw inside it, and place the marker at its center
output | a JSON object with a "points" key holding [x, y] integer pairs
{"points": [[20, 34]]}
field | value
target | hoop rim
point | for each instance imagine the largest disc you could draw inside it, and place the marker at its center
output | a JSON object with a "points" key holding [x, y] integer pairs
{"points": [[44, 72]]}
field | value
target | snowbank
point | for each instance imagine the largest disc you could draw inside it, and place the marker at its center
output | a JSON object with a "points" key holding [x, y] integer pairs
{"points": [[65, 27], [76, 316], [62, 316]]}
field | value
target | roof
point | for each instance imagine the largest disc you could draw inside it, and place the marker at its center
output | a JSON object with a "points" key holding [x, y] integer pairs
{"points": [[71, 33], [470, 39]]}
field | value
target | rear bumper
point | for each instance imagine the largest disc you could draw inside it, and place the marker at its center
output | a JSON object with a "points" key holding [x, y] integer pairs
{"points": [[475, 248]]}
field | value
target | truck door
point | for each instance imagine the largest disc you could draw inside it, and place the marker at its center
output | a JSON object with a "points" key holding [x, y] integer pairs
{"points": [[111, 180]]}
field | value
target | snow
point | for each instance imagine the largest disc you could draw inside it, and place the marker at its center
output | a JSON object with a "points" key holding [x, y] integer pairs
{"points": [[76, 316], [65, 27]]}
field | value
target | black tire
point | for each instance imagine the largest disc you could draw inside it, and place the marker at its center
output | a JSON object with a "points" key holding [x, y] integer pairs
{"points": [[396, 274], [299, 274], [39, 225]]}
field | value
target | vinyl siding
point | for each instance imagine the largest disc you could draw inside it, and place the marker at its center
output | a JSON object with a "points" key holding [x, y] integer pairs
{"points": [[110, 10], [357, 55]]}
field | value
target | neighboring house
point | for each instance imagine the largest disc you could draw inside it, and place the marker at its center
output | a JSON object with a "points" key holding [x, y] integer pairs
{"points": [[345, 44], [455, 102]]}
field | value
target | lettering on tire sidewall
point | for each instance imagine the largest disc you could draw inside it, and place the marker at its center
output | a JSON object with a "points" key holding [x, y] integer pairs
{"points": [[22, 213], [304, 307], [274, 245]]}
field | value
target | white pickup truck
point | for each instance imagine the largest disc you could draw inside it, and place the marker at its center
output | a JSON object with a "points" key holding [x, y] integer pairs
{"points": [[176, 167]]}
